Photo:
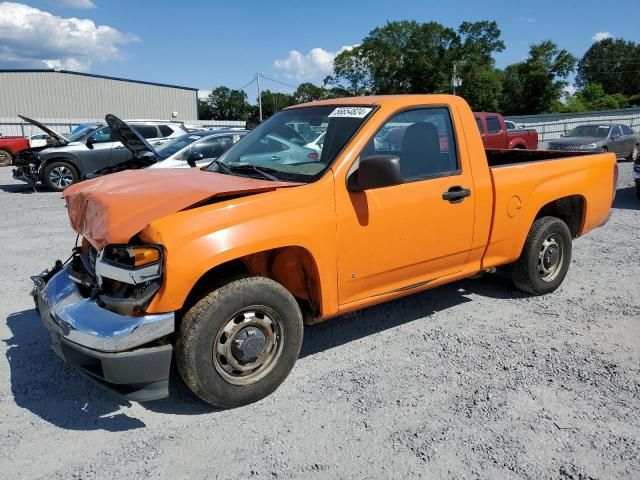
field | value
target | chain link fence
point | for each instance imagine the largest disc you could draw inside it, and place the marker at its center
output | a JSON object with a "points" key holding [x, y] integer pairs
{"points": [[551, 126]]}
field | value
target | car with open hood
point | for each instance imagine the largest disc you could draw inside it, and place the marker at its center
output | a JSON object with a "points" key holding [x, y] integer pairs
{"points": [[616, 138], [195, 149], [68, 160], [217, 270]]}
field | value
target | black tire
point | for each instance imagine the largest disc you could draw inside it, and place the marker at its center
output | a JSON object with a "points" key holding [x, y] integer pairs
{"points": [[59, 175], [635, 151], [638, 190], [5, 158], [203, 328], [526, 272]]}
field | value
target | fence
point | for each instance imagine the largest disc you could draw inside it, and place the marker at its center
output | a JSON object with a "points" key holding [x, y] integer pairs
{"points": [[18, 127], [551, 126]]}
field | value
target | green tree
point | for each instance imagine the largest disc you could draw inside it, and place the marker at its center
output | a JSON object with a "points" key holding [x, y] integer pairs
{"points": [[204, 110], [308, 92], [273, 102], [351, 74], [613, 64], [227, 104], [412, 57], [481, 81], [593, 97], [536, 84]]}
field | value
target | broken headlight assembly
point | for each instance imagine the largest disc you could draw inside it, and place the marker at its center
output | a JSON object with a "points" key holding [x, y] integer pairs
{"points": [[128, 276]]}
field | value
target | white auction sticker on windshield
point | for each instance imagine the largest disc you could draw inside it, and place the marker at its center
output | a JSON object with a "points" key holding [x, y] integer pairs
{"points": [[350, 112]]}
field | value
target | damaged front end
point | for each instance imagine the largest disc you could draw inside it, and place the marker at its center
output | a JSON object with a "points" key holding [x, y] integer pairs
{"points": [[93, 306], [28, 166], [122, 278]]}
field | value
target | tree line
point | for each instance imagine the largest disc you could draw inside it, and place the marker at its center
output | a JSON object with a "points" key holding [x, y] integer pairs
{"points": [[412, 57]]}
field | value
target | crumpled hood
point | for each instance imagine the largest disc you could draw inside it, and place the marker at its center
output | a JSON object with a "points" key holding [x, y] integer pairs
{"points": [[114, 208]]}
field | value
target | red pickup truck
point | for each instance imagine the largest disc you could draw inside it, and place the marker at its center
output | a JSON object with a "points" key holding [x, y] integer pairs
{"points": [[495, 133], [9, 146]]}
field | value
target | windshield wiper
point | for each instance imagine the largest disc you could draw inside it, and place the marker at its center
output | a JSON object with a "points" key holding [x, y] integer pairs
{"points": [[221, 167], [250, 167]]}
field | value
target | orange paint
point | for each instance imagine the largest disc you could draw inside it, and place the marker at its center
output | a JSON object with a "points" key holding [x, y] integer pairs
{"points": [[342, 250]]}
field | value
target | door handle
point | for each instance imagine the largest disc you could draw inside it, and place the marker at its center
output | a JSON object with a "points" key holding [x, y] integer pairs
{"points": [[456, 194]]}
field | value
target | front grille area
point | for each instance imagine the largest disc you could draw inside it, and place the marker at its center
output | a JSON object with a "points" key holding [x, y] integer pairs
{"points": [[565, 147]]}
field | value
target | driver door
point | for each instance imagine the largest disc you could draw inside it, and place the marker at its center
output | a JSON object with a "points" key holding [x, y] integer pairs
{"points": [[100, 155], [404, 236]]}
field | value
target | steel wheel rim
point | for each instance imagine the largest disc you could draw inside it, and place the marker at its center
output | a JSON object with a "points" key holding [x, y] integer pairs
{"points": [[551, 257], [61, 176], [228, 365], [634, 153], [5, 158]]}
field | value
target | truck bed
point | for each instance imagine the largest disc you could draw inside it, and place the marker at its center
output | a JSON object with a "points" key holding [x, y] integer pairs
{"points": [[522, 184], [502, 157]]}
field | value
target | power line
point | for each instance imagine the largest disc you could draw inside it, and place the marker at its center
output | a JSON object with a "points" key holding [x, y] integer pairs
{"points": [[278, 81]]}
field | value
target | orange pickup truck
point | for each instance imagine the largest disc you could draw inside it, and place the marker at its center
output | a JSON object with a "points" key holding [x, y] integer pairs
{"points": [[222, 266]]}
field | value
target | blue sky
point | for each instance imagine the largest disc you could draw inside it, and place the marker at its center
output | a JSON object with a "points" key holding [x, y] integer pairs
{"points": [[204, 44]]}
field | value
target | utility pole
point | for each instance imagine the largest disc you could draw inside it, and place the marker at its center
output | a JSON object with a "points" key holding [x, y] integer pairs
{"points": [[455, 80], [259, 96]]}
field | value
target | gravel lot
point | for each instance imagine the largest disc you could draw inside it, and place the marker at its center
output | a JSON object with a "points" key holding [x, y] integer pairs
{"points": [[471, 380]]}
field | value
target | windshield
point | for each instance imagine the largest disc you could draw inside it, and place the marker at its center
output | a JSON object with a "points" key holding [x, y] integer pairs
{"points": [[84, 132], [175, 145], [279, 147], [593, 131]]}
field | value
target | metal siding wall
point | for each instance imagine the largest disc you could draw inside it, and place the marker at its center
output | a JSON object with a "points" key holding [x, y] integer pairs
{"points": [[57, 95]]}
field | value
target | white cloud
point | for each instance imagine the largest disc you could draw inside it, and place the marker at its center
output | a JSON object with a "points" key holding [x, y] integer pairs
{"points": [[32, 38], [570, 89], [74, 3], [203, 94], [598, 37], [312, 66]]}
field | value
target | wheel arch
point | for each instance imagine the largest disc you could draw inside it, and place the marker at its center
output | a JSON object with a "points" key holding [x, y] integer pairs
{"points": [[570, 209], [71, 161], [293, 266]]}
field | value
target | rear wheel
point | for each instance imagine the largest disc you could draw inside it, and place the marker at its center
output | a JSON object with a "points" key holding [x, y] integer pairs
{"points": [[5, 158], [545, 258], [59, 175], [633, 156], [238, 343]]}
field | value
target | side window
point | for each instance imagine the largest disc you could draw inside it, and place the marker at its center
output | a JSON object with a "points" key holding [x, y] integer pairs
{"points": [[479, 123], [104, 135], [165, 130], [493, 124], [147, 131], [422, 138], [213, 147], [616, 131]]}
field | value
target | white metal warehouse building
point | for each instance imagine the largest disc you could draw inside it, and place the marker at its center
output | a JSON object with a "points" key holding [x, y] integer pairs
{"points": [[61, 97]]}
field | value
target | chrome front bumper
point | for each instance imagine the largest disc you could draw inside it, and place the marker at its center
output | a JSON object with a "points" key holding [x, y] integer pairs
{"points": [[126, 353]]}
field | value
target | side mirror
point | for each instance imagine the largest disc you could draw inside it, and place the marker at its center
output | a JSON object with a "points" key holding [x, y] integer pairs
{"points": [[193, 158], [89, 143], [615, 136], [376, 171]]}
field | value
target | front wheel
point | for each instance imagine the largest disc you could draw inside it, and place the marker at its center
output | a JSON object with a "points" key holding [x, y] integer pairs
{"points": [[545, 257], [633, 156], [238, 343], [59, 175]]}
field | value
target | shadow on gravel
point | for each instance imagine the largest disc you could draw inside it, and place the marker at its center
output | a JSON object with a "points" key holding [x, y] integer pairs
{"points": [[23, 188], [41, 383], [626, 199], [372, 320]]}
